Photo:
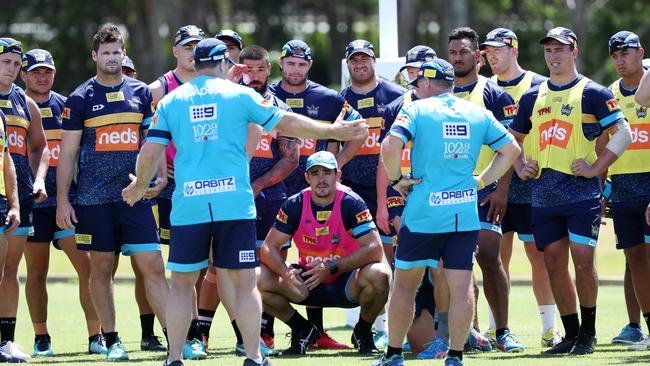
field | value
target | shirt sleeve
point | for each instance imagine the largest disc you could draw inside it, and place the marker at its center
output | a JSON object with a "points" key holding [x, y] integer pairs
{"points": [[356, 215], [404, 125], [288, 218], [502, 106], [73, 113], [159, 131], [261, 111], [389, 117], [496, 135], [600, 103], [521, 122], [147, 108]]}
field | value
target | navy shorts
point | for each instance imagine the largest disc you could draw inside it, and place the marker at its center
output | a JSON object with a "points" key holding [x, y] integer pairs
{"points": [[45, 228], [395, 203], [456, 249], [483, 210], [115, 227], [580, 221], [26, 226], [629, 224], [331, 295], [425, 298], [232, 242], [517, 219], [164, 212], [369, 196], [267, 210]]}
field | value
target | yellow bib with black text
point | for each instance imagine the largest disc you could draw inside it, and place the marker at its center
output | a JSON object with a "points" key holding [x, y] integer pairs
{"points": [[476, 97]]}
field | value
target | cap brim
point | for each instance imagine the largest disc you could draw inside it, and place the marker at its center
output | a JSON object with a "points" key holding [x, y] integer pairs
{"points": [[491, 43], [414, 82], [188, 40], [324, 165], [555, 38], [41, 64], [411, 64], [239, 42], [366, 51], [130, 67]]}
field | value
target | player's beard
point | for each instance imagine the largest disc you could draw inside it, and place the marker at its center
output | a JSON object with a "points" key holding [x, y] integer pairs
{"points": [[260, 88], [106, 70], [287, 79], [463, 73]]}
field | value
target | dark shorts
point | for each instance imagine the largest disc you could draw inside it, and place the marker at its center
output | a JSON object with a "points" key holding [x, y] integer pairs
{"points": [[164, 226], [232, 242], [331, 295], [369, 196], [267, 210], [4, 210], [517, 219], [456, 249], [395, 203], [483, 210], [424, 298], [580, 221], [26, 226], [115, 227], [45, 228], [630, 225]]}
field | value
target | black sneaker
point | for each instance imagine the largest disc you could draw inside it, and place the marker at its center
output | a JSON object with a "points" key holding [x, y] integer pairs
{"points": [[561, 348], [363, 341], [173, 363], [249, 362], [584, 345], [152, 343], [301, 339]]}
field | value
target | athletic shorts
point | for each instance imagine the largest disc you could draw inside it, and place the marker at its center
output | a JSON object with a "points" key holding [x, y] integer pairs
{"points": [[267, 210], [369, 196], [4, 210], [456, 249], [483, 210], [331, 295], [45, 228], [630, 225], [580, 221], [26, 226], [424, 298], [115, 227], [232, 243], [395, 203], [164, 212], [517, 219]]}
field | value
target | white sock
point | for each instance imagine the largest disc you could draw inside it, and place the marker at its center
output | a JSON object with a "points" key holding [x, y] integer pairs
{"points": [[548, 314], [352, 316], [259, 360], [381, 322], [493, 323]]}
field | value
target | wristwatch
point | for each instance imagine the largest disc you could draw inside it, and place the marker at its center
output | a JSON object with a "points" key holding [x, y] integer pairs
{"points": [[333, 268]]}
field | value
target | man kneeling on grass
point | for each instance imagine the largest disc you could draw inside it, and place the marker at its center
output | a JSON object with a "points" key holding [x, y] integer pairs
{"points": [[340, 257]]}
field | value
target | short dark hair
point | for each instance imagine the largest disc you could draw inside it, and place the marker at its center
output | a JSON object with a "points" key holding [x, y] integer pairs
{"points": [[107, 33], [465, 32], [206, 65], [254, 52]]}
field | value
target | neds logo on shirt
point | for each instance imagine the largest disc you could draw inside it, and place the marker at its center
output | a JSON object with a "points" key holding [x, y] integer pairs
{"points": [[120, 137], [203, 112]]}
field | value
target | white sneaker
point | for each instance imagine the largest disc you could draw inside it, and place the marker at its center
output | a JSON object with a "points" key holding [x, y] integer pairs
{"points": [[644, 345], [14, 349]]}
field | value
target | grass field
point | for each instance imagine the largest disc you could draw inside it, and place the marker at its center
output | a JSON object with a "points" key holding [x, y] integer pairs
{"points": [[70, 340]]}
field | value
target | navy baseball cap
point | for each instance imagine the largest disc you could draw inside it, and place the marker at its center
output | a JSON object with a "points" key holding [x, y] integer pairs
{"points": [[359, 45], [296, 48], [623, 39], [322, 158], [10, 45], [188, 33], [211, 49], [435, 69], [500, 37], [417, 55], [230, 34], [37, 58], [562, 35], [128, 63]]}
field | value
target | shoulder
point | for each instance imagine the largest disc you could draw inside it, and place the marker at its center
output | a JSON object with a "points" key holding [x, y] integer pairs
{"points": [[391, 89], [350, 200], [322, 91], [537, 78], [495, 90], [83, 90], [136, 85], [595, 90]]}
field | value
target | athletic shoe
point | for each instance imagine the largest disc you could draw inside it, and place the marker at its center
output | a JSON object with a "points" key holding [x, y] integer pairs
{"points": [[264, 350], [204, 340], [97, 345], [436, 350], [584, 345], [550, 338], [406, 347], [641, 346], [152, 343], [14, 350], [629, 335], [117, 352], [508, 343], [381, 340], [395, 360], [327, 342], [363, 341], [173, 363], [301, 339], [477, 342], [43, 348], [491, 335], [453, 361], [7, 358], [565, 346], [194, 350], [249, 362], [268, 340]]}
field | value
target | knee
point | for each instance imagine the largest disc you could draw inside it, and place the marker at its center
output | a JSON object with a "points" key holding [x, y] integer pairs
{"points": [[37, 276]]}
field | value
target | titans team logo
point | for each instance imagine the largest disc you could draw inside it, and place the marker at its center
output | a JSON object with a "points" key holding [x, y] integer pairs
{"points": [[381, 108], [642, 112], [566, 110], [312, 110]]}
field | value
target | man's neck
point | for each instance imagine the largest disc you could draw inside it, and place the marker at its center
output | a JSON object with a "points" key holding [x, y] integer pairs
{"points": [[365, 86], [323, 201], [109, 79], [511, 73], [632, 81], [4, 89], [470, 78], [564, 78], [184, 75], [38, 97], [295, 89]]}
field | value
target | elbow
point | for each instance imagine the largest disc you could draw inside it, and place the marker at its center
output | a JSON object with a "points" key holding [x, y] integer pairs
{"points": [[642, 99]]}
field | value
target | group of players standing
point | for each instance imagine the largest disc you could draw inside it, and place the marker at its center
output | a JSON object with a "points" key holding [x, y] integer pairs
{"points": [[576, 127]]}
